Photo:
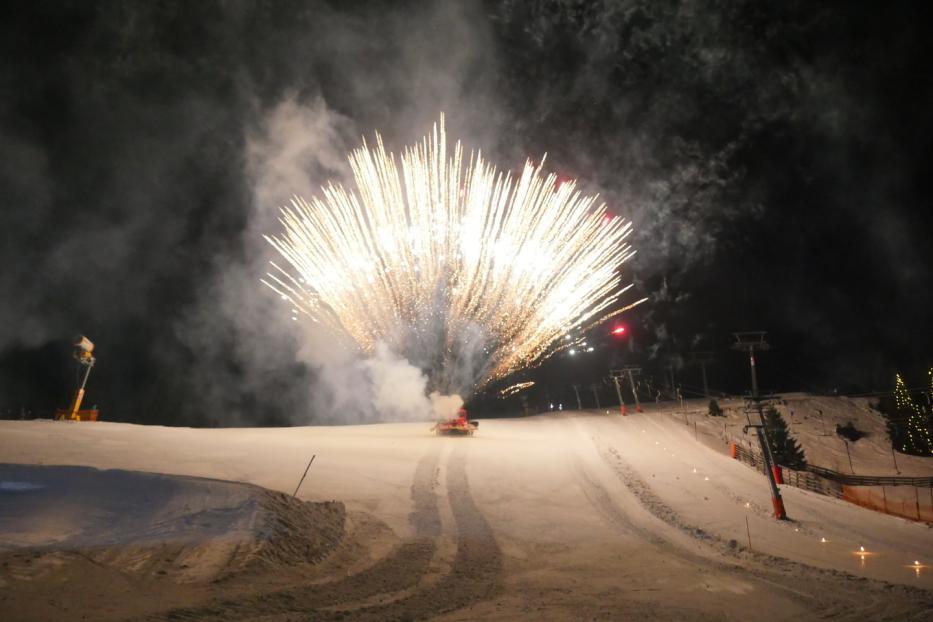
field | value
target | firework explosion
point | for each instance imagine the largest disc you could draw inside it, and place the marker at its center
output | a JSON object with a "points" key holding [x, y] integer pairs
{"points": [[467, 272]]}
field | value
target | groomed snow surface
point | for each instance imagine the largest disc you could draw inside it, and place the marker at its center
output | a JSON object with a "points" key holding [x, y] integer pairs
{"points": [[574, 516]]}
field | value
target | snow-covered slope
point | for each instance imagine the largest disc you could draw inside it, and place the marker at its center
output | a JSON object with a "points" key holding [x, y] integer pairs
{"points": [[572, 516], [812, 420]]}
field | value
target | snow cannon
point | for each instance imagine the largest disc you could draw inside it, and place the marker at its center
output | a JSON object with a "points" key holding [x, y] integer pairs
{"points": [[458, 426], [83, 353]]}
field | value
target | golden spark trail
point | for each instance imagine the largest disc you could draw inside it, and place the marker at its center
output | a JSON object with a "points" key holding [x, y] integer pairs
{"points": [[515, 388], [467, 272]]}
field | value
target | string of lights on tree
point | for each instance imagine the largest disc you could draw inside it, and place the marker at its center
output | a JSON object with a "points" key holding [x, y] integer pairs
{"points": [[917, 439]]}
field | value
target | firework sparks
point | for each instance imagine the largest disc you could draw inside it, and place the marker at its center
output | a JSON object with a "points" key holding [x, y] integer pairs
{"points": [[515, 388], [467, 272]]}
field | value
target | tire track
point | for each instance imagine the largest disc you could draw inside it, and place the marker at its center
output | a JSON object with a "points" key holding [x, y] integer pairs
{"points": [[475, 575], [831, 594], [401, 570]]}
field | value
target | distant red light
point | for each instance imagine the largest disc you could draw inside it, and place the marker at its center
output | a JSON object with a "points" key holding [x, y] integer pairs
{"points": [[619, 330]]}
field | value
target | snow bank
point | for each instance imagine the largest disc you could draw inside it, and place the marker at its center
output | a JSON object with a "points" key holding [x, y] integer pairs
{"points": [[134, 521]]}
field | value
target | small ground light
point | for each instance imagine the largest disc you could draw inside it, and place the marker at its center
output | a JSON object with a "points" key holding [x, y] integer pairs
{"points": [[694, 469], [706, 479], [747, 504], [861, 560], [862, 554], [823, 540]]}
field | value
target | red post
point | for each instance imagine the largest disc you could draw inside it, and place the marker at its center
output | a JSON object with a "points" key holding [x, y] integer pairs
{"points": [[733, 450], [623, 410], [779, 512], [778, 474]]}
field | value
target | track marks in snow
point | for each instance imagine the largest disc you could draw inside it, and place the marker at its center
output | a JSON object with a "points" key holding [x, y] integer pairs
{"points": [[401, 570], [831, 594], [474, 575]]}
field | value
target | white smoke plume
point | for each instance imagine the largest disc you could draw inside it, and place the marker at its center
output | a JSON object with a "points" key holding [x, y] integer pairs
{"points": [[445, 406], [397, 387]]}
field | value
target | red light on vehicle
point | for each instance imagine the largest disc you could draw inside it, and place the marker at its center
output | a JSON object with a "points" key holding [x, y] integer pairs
{"points": [[618, 330]]}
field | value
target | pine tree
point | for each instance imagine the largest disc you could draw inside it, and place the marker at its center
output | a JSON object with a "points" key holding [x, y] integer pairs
{"points": [[784, 447], [914, 436]]}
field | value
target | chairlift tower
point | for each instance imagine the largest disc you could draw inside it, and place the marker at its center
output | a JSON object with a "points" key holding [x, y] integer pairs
{"points": [[703, 359], [614, 376], [595, 389], [750, 342], [629, 371]]}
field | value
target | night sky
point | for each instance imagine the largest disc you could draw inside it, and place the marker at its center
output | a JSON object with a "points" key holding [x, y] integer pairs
{"points": [[775, 159]]}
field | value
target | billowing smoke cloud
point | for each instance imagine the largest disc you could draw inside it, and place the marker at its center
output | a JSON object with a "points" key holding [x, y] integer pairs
{"points": [[297, 148], [445, 406], [398, 387]]}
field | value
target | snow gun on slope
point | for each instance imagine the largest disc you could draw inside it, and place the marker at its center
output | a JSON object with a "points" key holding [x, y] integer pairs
{"points": [[83, 353]]}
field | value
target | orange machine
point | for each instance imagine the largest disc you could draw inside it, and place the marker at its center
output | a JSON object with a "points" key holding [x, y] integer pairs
{"points": [[458, 426]]}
